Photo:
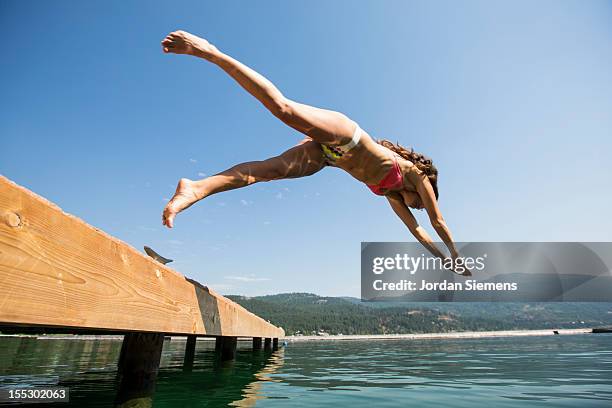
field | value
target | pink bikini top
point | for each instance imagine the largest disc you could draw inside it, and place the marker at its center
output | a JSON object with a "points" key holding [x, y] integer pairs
{"points": [[393, 180]]}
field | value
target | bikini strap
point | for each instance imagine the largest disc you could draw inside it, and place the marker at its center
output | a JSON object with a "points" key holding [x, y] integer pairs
{"points": [[354, 141]]}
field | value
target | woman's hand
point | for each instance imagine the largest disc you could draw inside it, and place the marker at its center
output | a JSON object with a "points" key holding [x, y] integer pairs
{"points": [[464, 270], [182, 42]]}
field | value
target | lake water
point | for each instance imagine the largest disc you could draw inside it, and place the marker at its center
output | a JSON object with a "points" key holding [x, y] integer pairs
{"points": [[562, 371]]}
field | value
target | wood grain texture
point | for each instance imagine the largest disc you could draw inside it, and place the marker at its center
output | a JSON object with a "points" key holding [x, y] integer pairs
{"points": [[56, 270]]}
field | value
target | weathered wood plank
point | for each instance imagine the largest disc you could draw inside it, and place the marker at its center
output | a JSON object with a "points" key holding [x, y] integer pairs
{"points": [[56, 270]]}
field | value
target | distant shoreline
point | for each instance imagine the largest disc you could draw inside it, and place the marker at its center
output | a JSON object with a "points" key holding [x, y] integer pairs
{"points": [[452, 335], [356, 337]]}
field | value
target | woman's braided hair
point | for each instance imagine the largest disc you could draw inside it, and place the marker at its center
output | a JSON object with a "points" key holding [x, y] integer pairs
{"points": [[422, 162]]}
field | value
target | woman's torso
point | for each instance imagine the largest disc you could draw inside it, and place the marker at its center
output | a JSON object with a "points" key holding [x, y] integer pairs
{"points": [[369, 162]]}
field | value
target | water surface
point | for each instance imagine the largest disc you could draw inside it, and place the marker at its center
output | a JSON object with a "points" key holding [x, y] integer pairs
{"points": [[563, 371]]}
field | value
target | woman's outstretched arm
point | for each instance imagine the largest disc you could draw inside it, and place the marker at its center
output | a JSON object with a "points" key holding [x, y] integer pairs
{"points": [[322, 125], [403, 212], [428, 197]]}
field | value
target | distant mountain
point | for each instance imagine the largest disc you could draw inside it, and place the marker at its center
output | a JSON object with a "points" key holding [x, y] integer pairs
{"points": [[308, 313]]}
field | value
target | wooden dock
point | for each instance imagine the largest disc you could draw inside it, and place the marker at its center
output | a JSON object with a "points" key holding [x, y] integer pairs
{"points": [[58, 273]]}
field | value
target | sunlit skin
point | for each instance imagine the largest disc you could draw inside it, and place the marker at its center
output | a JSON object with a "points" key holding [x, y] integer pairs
{"points": [[368, 162]]}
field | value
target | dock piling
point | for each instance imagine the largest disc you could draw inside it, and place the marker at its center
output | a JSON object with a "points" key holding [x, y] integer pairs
{"points": [[189, 352], [228, 347], [138, 365], [218, 343], [268, 344], [256, 343]]}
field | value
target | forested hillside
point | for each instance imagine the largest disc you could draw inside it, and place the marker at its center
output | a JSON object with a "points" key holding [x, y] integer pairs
{"points": [[308, 313]]}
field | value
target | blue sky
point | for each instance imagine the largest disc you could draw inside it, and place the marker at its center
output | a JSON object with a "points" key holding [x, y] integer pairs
{"points": [[512, 100]]}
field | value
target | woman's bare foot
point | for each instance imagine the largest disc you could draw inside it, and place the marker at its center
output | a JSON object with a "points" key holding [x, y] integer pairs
{"points": [[182, 42], [186, 194]]}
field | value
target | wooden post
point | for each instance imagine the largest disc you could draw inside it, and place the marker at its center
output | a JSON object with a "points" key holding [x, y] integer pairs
{"points": [[256, 343], [225, 347], [218, 343], [137, 367], [275, 343], [189, 352], [268, 344], [228, 347]]}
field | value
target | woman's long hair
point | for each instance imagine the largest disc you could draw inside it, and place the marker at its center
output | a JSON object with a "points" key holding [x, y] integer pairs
{"points": [[421, 162]]}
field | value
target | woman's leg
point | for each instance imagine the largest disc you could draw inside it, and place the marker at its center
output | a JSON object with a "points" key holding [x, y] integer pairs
{"points": [[302, 160], [323, 126]]}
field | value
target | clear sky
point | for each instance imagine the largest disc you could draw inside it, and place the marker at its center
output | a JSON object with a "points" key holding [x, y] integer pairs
{"points": [[512, 100]]}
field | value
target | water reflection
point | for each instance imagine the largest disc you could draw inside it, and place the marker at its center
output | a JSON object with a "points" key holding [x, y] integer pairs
{"points": [[252, 391], [89, 369]]}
